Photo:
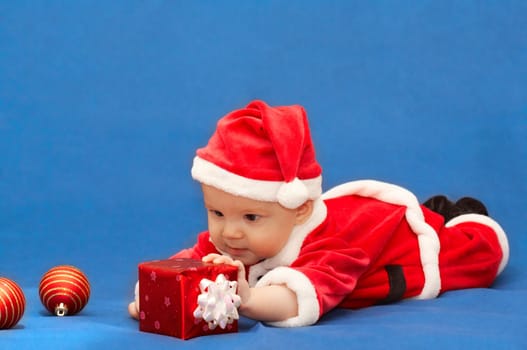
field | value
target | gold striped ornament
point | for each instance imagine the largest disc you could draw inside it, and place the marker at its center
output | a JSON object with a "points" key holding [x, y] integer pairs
{"points": [[64, 290], [12, 303]]}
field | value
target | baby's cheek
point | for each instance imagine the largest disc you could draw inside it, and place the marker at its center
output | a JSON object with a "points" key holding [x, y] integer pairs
{"points": [[215, 240], [214, 232], [267, 248]]}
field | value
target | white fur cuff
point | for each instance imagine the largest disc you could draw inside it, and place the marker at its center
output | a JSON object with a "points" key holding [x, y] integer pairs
{"points": [[308, 307]]}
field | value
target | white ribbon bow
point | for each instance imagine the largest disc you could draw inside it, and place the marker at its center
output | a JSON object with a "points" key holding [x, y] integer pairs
{"points": [[218, 302]]}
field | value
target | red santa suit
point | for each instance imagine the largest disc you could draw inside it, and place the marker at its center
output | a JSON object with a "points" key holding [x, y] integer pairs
{"points": [[366, 242], [369, 242]]}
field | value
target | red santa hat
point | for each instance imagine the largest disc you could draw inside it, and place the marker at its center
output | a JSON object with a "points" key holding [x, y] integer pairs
{"points": [[263, 153]]}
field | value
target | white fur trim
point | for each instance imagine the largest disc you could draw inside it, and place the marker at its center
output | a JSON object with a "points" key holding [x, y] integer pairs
{"points": [[290, 251], [306, 295], [269, 191], [485, 220], [292, 194], [427, 238]]}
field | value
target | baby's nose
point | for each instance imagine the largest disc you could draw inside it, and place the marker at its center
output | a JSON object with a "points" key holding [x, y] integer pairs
{"points": [[232, 230]]}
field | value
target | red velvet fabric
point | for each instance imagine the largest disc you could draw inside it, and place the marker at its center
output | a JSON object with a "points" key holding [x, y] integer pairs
{"points": [[264, 143], [346, 256]]}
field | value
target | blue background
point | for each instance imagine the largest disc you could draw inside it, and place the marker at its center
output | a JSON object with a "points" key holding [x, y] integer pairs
{"points": [[103, 103]]}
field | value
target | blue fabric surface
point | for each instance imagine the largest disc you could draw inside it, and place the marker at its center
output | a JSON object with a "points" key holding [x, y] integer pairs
{"points": [[102, 105]]}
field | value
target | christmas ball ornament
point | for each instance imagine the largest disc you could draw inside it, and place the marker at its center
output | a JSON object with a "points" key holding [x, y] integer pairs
{"points": [[12, 303], [64, 290]]}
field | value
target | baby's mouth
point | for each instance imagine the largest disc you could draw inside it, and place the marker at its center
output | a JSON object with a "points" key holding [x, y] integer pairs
{"points": [[235, 251]]}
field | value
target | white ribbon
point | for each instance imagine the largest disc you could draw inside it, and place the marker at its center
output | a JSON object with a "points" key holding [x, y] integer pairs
{"points": [[218, 302]]}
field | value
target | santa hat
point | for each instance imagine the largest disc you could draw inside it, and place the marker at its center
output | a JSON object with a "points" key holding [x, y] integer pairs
{"points": [[263, 153]]}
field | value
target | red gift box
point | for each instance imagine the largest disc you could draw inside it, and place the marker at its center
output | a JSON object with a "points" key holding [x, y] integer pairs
{"points": [[168, 298]]}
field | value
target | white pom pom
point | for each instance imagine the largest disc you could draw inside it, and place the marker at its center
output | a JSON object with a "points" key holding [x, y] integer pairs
{"points": [[292, 194]]}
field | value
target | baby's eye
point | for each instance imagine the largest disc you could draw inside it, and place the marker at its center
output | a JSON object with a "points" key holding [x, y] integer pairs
{"points": [[252, 217], [216, 213]]}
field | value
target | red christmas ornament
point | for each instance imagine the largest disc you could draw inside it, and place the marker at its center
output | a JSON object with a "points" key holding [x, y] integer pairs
{"points": [[64, 290], [12, 303]]}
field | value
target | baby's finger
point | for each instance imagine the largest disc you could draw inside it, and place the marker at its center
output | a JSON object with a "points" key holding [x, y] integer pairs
{"points": [[223, 260], [132, 310], [210, 257], [240, 266]]}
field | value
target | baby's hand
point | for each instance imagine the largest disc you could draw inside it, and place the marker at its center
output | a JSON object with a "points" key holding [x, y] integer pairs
{"points": [[243, 286], [132, 310], [133, 307], [267, 303], [220, 259]]}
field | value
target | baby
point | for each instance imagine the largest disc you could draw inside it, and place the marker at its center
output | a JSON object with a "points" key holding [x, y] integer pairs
{"points": [[300, 252]]}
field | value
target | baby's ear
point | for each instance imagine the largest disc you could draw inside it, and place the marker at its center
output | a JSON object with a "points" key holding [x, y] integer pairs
{"points": [[304, 212]]}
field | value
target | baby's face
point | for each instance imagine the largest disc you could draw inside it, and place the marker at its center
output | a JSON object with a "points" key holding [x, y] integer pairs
{"points": [[245, 229]]}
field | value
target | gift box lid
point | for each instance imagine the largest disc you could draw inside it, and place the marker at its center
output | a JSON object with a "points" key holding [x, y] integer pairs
{"points": [[186, 266]]}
